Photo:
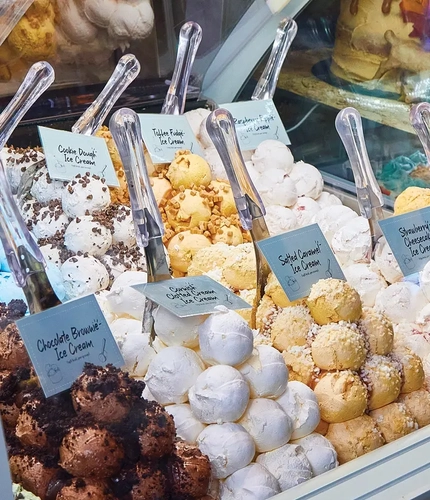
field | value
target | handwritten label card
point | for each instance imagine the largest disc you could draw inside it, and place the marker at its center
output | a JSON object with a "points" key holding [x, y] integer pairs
{"points": [[165, 134], [70, 154], [191, 296], [409, 238], [5, 477], [299, 259], [62, 339], [255, 122]]}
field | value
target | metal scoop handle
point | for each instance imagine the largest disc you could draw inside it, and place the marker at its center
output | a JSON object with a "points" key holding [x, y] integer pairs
{"points": [[126, 71], [285, 34], [420, 120]]}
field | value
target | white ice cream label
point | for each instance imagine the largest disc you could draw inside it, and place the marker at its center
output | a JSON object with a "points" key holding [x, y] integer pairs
{"points": [[164, 135], [68, 155], [299, 259], [5, 477], [408, 236], [191, 296], [255, 122], [61, 340]]}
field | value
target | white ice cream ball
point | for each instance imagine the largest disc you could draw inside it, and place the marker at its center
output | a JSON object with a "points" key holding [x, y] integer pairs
{"points": [[253, 482], [411, 335], [195, 118], [228, 446], [425, 280], [123, 227], [83, 276], [126, 301], [300, 403], [121, 327], [147, 394], [137, 352], [203, 136], [288, 464], [267, 423], [215, 163], [423, 318], [247, 154], [331, 219], [266, 372], [280, 219], [177, 331], [273, 154], [308, 180], [45, 189], [401, 302], [130, 278], [225, 338], [56, 279], [220, 394], [48, 221], [104, 306], [114, 266], [319, 451], [353, 242], [172, 373], [51, 254], [386, 261], [85, 194], [276, 188], [86, 235], [252, 171], [187, 426], [365, 278], [328, 200], [305, 209]]}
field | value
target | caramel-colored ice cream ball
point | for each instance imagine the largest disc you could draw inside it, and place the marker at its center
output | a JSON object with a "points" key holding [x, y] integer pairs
{"points": [[183, 246], [412, 198], [208, 258], [229, 234], [188, 169], [418, 405], [338, 347], [187, 210], [301, 366], [394, 421], [85, 489], [332, 300], [91, 452], [266, 313], [378, 331], [291, 327], [240, 270], [341, 395], [161, 188], [354, 438], [383, 378], [227, 204], [275, 291], [413, 375]]}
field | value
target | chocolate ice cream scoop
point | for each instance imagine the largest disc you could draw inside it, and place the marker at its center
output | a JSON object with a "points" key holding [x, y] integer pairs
{"points": [[91, 452], [189, 471], [28, 431], [157, 432], [9, 313], [12, 350], [145, 481], [85, 489]]}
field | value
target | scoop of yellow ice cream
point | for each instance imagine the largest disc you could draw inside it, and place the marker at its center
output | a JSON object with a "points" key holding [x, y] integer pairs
{"points": [[300, 364], [394, 421], [188, 170], [275, 291], [338, 347], [187, 210], [231, 235], [412, 198], [418, 405], [266, 313], [412, 369], [341, 395], [182, 247], [383, 378], [209, 258], [161, 188], [332, 300], [40, 8], [378, 331], [354, 438], [226, 203], [291, 327], [249, 297], [239, 269]]}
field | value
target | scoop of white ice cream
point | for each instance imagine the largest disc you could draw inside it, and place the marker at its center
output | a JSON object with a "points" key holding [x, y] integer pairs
{"points": [[353, 243], [45, 189], [320, 452], [276, 188], [228, 446], [401, 302], [386, 261], [266, 372], [304, 210], [177, 331], [253, 482], [273, 154], [83, 276], [267, 423], [425, 280], [225, 338], [331, 219], [215, 164], [328, 200], [48, 220], [84, 195], [300, 403], [365, 278], [288, 464], [86, 235], [187, 426], [280, 219], [172, 373], [220, 394], [308, 180], [195, 118], [123, 227]]}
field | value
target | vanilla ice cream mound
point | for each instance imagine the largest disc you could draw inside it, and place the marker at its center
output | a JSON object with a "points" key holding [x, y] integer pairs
{"points": [[319, 451], [401, 302], [308, 180], [252, 482], [188, 427], [366, 279], [272, 154], [172, 330], [352, 243]]}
